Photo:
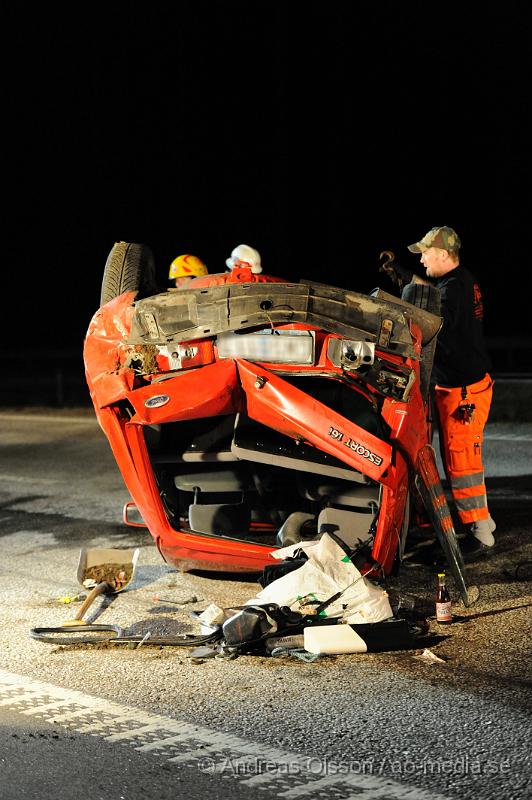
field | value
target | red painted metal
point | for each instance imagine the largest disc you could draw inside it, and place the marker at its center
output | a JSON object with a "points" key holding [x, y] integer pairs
{"points": [[235, 385]]}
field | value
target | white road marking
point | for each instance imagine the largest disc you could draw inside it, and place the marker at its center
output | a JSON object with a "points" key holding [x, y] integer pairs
{"points": [[288, 775], [187, 731], [16, 697], [38, 710]]}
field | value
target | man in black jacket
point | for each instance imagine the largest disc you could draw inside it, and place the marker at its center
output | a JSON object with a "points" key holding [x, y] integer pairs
{"points": [[462, 384]]}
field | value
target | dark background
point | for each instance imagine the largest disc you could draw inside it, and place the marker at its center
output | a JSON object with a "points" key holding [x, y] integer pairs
{"points": [[319, 133]]}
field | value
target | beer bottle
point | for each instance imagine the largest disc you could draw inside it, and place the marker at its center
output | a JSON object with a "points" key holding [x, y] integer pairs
{"points": [[443, 601]]}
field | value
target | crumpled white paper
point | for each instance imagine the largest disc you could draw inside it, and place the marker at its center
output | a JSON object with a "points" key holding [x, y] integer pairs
{"points": [[287, 552], [428, 655], [373, 607], [327, 571]]}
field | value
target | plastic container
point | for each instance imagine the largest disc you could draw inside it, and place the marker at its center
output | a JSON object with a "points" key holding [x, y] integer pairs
{"points": [[333, 639]]}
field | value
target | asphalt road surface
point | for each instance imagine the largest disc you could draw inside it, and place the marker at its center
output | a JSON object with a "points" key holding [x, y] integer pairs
{"points": [[112, 721]]}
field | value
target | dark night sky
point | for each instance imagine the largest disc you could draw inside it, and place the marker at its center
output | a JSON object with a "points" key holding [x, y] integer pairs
{"points": [[320, 133]]}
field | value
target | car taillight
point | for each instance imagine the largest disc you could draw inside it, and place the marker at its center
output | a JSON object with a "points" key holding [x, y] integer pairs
{"points": [[185, 355], [350, 354]]}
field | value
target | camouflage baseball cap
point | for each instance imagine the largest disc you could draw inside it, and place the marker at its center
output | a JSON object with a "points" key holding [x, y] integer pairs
{"points": [[443, 237]]}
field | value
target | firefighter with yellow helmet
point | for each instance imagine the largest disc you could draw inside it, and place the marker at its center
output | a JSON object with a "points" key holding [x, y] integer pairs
{"points": [[184, 268]]}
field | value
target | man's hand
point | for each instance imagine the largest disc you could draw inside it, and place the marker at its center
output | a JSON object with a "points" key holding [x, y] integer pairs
{"points": [[398, 274]]}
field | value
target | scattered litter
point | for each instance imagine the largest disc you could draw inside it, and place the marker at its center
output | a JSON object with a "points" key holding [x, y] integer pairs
{"points": [[226, 653], [401, 601], [428, 655], [308, 604], [157, 599], [473, 594], [76, 598], [212, 616], [325, 606], [144, 639], [203, 652], [288, 552], [296, 652], [284, 643], [116, 575]]}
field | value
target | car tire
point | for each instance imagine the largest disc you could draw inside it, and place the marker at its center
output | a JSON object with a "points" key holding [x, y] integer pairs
{"points": [[422, 295], [130, 267]]}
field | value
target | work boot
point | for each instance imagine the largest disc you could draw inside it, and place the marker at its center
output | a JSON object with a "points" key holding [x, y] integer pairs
{"points": [[473, 548], [482, 530]]}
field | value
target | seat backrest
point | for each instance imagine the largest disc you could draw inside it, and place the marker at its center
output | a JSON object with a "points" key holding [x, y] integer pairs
{"points": [[228, 479], [352, 527]]}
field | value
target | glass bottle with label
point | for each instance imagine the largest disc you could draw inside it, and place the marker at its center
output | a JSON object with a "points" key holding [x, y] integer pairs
{"points": [[443, 601]]}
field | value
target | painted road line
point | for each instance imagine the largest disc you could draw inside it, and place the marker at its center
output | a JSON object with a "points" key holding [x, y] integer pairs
{"points": [[251, 764], [42, 709], [18, 695], [186, 731]]}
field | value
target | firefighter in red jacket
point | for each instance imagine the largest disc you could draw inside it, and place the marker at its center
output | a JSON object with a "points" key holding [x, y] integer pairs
{"points": [[462, 385]]}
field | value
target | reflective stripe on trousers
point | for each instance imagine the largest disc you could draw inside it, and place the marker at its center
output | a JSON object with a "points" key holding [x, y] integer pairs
{"points": [[461, 446]]}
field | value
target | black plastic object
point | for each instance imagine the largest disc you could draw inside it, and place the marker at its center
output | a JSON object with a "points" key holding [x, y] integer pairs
{"points": [[285, 643], [272, 572], [250, 624], [392, 634], [67, 636], [253, 624]]}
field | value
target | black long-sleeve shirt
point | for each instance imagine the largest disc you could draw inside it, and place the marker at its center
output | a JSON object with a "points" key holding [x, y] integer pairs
{"points": [[461, 356]]}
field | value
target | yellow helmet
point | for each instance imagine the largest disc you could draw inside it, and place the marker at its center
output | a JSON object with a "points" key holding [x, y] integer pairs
{"points": [[187, 266]]}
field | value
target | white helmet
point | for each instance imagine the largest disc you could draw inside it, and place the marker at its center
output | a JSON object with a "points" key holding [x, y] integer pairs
{"points": [[245, 256]]}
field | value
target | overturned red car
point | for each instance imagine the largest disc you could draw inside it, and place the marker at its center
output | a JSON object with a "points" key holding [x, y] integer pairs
{"points": [[247, 413]]}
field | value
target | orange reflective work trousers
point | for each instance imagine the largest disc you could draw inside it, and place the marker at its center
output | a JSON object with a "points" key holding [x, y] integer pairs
{"points": [[461, 445]]}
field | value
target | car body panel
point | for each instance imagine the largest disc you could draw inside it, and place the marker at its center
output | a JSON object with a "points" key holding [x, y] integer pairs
{"points": [[353, 417]]}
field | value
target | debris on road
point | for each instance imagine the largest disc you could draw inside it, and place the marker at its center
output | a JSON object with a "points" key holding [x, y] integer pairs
{"points": [[75, 598], [428, 655], [116, 575], [157, 599], [325, 606]]}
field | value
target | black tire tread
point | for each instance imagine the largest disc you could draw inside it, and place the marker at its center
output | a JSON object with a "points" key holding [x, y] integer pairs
{"points": [[129, 267]]}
